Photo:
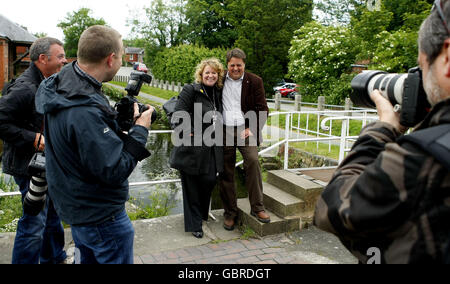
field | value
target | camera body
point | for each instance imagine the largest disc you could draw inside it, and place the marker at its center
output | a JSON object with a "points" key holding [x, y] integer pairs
{"points": [[35, 198], [125, 107], [404, 91]]}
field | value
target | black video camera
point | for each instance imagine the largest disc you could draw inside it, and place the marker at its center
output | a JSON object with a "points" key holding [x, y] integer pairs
{"points": [[125, 107], [404, 91]]}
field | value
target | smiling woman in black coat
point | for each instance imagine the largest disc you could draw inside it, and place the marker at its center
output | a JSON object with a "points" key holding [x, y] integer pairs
{"points": [[199, 164]]}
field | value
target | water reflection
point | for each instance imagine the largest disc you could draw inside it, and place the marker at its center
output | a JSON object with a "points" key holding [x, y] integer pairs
{"points": [[156, 167]]}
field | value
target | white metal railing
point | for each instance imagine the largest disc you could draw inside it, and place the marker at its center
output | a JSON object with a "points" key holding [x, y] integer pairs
{"points": [[316, 105], [290, 129]]}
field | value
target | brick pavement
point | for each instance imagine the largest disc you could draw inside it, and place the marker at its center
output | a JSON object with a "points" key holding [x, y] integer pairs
{"points": [[269, 250]]}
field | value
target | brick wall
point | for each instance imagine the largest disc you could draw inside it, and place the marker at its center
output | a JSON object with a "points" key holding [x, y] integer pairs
{"points": [[3, 62], [131, 58]]}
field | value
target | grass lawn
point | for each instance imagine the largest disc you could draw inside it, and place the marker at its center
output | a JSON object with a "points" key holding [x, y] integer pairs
{"points": [[311, 119], [164, 94]]}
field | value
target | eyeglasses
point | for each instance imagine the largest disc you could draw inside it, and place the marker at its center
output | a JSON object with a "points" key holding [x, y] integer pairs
{"points": [[60, 56], [438, 5]]}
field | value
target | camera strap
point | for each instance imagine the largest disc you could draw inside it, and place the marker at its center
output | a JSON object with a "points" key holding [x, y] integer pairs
{"points": [[434, 140]]}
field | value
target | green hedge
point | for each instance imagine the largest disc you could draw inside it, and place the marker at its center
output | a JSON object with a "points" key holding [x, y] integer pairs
{"points": [[178, 63]]}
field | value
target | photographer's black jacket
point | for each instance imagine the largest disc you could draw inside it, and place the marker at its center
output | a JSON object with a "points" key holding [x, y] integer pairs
{"points": [[87, 162], [19, 122]]}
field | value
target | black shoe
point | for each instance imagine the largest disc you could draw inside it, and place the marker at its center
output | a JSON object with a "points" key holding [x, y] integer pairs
{"points": [[198, 235]]}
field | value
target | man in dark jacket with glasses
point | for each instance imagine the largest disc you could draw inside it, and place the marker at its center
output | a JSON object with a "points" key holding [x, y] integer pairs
{"points": [[38, 238]]}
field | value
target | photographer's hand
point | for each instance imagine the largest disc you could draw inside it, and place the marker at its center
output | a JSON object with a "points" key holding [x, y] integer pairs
{"points": [[41, 140], [144, 119], [386, 111]]}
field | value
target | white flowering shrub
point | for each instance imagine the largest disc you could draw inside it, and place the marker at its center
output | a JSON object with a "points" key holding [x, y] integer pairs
{"points": [[319, 56]]}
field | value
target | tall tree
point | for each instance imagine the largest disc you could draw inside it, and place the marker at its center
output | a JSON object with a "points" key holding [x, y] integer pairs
{"points": [[332, 12], [208, 24], [403, 9], [74, 25], [266, 28], [164, 23]]}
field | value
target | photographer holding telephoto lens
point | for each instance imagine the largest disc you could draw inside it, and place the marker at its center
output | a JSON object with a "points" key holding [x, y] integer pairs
{"points": [[392, 193]]}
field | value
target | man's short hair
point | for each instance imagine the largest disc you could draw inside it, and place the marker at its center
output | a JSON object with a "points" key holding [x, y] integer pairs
{"points": [[433, 33], [238, 53], [42, 46], [98, 42]]}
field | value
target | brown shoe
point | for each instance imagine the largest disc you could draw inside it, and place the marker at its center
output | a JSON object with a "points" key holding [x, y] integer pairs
{"points": [[262, 216], [228, 224]]}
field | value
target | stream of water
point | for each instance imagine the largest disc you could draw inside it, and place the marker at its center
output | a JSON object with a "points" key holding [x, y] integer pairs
{"points": [[154, 168]]}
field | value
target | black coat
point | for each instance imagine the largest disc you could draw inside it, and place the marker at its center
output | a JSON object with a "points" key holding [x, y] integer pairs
{"points": [[19, 122], [190, 159]]}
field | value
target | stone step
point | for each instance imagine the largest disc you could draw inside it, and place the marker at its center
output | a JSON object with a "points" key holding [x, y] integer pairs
{"points": [[297, 186], [277, 225], [281, 203]]}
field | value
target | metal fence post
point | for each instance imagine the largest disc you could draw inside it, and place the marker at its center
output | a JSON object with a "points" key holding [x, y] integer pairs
{"points": [[343, 140], [287, 132]]}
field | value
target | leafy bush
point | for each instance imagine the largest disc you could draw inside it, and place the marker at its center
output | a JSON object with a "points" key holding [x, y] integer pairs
{"points": [[396, 51], [178, 63], [113, 93], [160, 205], [318, 57], [10, 207]]}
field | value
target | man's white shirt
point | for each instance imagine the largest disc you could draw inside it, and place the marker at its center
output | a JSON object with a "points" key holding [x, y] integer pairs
{"points": [[232, 110]]}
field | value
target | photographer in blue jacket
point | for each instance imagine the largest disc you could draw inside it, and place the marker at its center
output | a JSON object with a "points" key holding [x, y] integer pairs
{"points": [[88, 157]]}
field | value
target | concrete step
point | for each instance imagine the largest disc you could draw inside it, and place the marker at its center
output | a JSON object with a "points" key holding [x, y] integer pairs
{"points": [[282, 203], [297, 186], [277, 225]]}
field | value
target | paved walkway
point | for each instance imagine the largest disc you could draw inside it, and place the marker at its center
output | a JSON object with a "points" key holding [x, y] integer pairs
{"points": [[163, 241]]}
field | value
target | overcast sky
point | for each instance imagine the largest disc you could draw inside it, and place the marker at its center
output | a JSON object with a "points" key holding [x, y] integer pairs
{"points": [[42, 16]]}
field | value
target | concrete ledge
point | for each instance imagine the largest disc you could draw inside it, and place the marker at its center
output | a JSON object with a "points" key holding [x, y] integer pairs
{"points": [[281, 203], [297, 186]]}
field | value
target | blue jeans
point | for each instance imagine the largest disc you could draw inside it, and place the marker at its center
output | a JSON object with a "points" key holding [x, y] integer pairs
{"points": [[108, 243], [38, 238]]}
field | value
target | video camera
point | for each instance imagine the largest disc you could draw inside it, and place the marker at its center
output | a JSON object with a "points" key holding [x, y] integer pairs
{"points": [[125, 107], [404, 91]]}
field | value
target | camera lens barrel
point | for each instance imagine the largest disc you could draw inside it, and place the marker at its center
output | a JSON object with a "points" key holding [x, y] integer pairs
{"points": [[391, 86], [34, 200], [405, 90]]}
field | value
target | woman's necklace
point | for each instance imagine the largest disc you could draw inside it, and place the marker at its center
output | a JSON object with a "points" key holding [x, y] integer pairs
{"points": [[214, 118]]}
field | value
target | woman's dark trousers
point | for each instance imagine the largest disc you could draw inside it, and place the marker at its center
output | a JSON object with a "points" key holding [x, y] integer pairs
{"points": [[197, 190]]}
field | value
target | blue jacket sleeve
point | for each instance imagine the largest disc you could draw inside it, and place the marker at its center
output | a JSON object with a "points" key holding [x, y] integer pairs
{"points": [[101, 150]]}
